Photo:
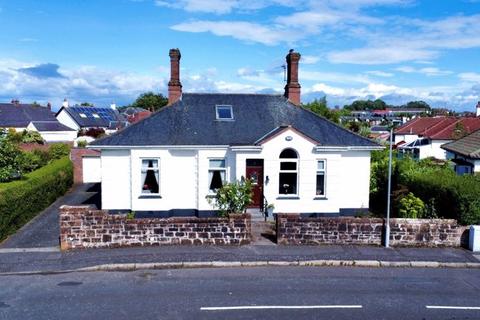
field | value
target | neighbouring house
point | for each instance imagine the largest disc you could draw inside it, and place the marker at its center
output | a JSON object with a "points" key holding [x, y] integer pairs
{"points": [[52, 131], [423, 137], [18, 116], [465, 153], [33, 117], [134, 114], [90, 117], [179, 156]]}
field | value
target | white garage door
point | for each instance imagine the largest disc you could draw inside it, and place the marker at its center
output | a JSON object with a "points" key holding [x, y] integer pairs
{"points": [[91, 169]]}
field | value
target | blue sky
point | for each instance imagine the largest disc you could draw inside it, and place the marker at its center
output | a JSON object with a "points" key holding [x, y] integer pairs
{"points": [[112, 50]]}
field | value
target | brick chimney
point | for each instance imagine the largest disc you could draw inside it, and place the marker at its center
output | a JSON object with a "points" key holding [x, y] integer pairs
{"points": [[174, 85], [49, 106], [292, 88]]}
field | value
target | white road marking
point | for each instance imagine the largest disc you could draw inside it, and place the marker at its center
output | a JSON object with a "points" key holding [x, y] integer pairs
{"points": [[453, 307], [282, 307], [22, 250]]}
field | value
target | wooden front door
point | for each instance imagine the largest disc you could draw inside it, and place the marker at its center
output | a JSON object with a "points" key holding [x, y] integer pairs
{"points": [[255, 173]]}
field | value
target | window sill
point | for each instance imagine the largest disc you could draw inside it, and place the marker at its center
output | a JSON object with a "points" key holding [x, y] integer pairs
{"points": [[320, 198], [292, 197], [148, 196]]}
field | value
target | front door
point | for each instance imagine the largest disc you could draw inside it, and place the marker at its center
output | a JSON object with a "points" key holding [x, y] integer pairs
{"points": [[255, 173]]}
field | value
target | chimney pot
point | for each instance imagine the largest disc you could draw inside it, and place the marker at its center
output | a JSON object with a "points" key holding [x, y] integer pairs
{"points": [[65, 103], [49, 106], [174, 85], [292, 88]]}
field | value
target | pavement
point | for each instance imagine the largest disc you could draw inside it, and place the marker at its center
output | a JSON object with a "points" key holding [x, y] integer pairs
{"points": [[34, 249]]}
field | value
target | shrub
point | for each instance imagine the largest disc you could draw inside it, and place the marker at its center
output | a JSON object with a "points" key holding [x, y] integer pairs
{"points": [[23, 199], [411, 207], [58, 150], [32, 137], [233, 197], [29, 161]]}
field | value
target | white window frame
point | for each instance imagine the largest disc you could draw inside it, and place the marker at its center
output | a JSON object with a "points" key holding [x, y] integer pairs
{"points": [[82, 115], [297, 172], [223, 106], [211, 169], [324, 171], [95, 115], [142, 194]]}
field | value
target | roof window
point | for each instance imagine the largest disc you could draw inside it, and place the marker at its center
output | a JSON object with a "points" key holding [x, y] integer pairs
{"points": [[224, 112], [82, 115], [95, 115]]}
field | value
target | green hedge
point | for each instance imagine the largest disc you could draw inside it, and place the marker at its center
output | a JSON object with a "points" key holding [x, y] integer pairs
{"points": [[456, 197], [21, 200]]}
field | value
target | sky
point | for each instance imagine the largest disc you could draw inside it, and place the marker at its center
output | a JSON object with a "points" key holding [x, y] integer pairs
{"points": [[104, 51]]}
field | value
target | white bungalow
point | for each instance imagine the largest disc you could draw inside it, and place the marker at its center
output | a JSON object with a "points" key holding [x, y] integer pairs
{"points": [[180, 156]]}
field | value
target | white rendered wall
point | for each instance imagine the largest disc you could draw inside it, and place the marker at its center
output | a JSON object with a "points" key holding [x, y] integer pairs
{"points": [[58, 136], [116, 184], [92, 169], [347, 176], [64, 118], [476, 166], [434, 150], [184, 180], [178, 187], [405, 137]]}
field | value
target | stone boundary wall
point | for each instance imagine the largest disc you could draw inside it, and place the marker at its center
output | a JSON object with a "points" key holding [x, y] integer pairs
{"points": [[86, 227], [295, 230], [427, 233]]}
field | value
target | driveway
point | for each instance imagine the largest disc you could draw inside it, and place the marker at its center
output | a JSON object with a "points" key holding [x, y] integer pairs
{"points": [[43, 230]]}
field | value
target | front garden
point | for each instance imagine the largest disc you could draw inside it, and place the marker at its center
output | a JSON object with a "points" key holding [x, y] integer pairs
{"points": [[424, 189], [30, 180]]}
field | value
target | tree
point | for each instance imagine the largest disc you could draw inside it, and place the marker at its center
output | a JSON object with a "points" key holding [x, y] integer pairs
{"points": [[319, 106], [150, 101], [86, 104], [361, 105]]}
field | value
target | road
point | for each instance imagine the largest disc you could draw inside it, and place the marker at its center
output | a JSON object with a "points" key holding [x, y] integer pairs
{"points": [[245, 293]]}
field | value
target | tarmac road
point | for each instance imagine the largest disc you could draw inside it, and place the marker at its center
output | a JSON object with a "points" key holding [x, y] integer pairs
{"points": [[246, 293]]}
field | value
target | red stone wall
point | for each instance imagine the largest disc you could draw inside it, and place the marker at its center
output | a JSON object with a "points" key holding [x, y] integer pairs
{"points": [[85, 227], [293, 229], [76, 155]]}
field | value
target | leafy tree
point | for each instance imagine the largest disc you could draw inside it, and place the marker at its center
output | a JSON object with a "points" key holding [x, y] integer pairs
{"points": [[86, 104], [361, 105], [459, 131], [319, 106], [418, 104], [233, 197], [150, 101]]}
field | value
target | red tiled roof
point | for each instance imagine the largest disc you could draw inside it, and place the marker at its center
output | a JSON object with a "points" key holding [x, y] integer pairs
{"points": [[438, 128]]}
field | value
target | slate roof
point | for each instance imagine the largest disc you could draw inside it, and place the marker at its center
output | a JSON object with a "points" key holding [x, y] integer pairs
{"points": [[192, 121], [20, 115], [50, 126], [468, 146], [104, 119], [438, 128]]}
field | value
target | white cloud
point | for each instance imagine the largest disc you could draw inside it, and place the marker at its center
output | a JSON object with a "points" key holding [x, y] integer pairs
{"points": [[379, 73], [242, 30], [380, 55], [306, 59], [428, 71], [470, 77], [223, 6]]}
